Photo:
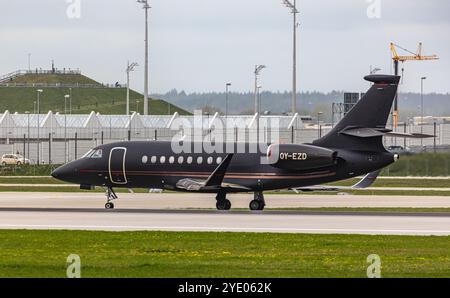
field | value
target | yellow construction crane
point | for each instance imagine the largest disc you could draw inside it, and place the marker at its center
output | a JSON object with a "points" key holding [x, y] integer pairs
{"points": [[414, 57]]}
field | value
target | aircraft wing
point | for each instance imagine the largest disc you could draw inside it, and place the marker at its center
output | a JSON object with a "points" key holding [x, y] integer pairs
{"points": [[365, 182], [214, 181]]}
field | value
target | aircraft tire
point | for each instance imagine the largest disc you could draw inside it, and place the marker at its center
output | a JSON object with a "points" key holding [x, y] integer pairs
{"points": [[109, 206], [256, 205], [223, 205]]}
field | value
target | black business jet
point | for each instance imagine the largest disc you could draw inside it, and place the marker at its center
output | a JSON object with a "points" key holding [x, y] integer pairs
{"points": [[352, 148]]}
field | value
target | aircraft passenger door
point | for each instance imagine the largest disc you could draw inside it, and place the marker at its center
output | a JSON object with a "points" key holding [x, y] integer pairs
{"points": [[117, 165]]}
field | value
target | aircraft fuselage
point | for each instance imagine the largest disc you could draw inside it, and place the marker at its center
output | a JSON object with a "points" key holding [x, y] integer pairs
{"points": [[139, 164]]}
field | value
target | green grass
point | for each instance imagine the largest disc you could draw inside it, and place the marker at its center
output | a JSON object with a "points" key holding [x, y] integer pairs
{"points": [[76, 188], [425, 164], [51, 185], [171, 254], [372, 193], [71, 189], [27, 170], [84, 100], [45, 170], [365, 209], [30, 180], [425, 183]]}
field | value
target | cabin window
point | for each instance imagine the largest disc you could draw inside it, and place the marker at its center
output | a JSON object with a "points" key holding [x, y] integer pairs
{"points": [[162, 159], [219, 160], [97, 154], [171, 160], [210, 160], [153, 159], [189, 160], [200, 160], [144, 159], [180, 159]]}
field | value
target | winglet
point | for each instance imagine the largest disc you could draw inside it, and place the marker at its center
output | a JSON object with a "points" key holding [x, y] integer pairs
{"points": [[216, 177]]}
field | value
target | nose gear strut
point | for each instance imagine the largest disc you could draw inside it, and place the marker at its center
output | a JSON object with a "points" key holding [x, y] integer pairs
{"points": [[110, 196]]}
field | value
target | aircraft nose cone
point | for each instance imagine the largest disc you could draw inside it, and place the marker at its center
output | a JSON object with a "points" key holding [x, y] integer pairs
{"points": [[61, 173], [56, 173]]}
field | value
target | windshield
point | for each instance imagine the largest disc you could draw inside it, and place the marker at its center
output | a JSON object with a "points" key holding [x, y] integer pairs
{"points": [[94, 153], [97, 154], [87, 154]]}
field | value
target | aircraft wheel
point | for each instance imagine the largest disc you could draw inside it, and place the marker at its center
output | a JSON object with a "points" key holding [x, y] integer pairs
{"points": [[256, 205], [223, 205], [109, 206]]}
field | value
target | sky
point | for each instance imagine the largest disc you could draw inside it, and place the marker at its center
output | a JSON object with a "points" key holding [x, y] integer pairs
{"points": [[200, 45]]}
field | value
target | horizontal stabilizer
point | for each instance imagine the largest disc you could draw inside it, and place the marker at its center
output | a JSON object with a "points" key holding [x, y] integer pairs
{"points": [[370, 132], [409, 135]]}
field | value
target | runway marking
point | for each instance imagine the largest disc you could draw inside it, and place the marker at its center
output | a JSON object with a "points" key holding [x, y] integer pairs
{"points": [[232, 229]]}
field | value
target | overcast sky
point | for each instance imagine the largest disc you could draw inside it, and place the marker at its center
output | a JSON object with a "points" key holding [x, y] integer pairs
{"points": [[199, 45]]}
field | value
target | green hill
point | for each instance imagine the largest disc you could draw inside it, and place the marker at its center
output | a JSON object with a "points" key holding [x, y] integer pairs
{"points": [[84, 100]]}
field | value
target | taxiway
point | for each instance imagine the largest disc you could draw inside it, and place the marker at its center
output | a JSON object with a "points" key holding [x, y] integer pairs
{"points": [[172, 212]]}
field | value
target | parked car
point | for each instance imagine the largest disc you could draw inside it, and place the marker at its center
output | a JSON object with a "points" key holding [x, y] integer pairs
{"points": [[14, 159]]}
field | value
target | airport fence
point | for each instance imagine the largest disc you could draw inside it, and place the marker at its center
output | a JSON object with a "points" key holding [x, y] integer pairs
{"points": [[422, 165], [58, 145]]}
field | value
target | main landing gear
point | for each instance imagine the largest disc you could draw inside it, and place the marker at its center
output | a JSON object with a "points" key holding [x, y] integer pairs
{"points": [[222, 202], [110, 196], [258, 203]]}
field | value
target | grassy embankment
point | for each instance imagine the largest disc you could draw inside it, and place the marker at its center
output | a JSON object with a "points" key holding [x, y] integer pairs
{"points": [[84, 100]]}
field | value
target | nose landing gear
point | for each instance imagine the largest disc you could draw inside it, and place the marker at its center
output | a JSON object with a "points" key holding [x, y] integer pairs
{"points": [[110, 196]]}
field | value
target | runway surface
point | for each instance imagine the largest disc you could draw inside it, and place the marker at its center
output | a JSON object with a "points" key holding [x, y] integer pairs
{"points": [[170, 200], [84, 211]]}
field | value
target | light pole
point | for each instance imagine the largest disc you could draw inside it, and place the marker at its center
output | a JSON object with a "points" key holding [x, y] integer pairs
{"points": [[38, 109], [421, 107], [319, 130], [226, 98], [258, 69], [28, 135], [293, 7], [129, 124], [65, 126], [259, 99], [146, 7], [130, 68], [29, 62], [70, 101]]}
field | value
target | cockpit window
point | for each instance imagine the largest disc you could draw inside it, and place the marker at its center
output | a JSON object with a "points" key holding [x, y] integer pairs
{"points": [[97, 154], [87, 154]]}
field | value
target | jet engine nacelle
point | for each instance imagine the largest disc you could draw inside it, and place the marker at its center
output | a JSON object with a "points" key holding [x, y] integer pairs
{"points": [[300, 157]]}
